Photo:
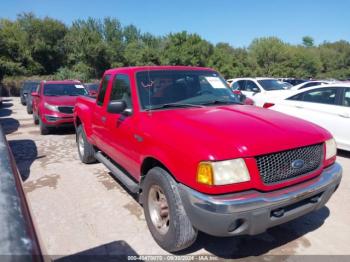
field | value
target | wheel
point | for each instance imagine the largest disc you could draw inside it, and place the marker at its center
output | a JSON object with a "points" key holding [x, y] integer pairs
{"points": [[29, 110], [44, 130], [164, 212], [85, 149], [35, 119]]}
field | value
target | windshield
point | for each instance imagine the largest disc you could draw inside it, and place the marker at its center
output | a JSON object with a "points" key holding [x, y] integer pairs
{"points": [[29, 86], [271, 84], [64, 90], [182, 88]]}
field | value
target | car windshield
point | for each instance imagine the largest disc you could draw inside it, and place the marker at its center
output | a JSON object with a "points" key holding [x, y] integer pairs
{"points": [[64, 90], [175, 88], [271, 84], [29, 86]]}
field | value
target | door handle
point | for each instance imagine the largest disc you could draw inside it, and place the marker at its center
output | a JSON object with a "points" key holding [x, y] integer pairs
{"points": [[103, 119], [301, 107], [345, 115]]}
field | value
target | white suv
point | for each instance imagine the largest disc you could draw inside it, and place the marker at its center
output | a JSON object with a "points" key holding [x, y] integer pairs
{"points": [[259, 88]]}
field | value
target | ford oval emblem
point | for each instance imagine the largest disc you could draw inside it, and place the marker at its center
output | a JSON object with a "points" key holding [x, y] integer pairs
{"points": [[299, 163]]}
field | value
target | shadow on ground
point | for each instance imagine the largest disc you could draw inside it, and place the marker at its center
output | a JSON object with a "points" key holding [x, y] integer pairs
{"points": [[25, 153], [289, 235], [114, 251], [343, 153]]}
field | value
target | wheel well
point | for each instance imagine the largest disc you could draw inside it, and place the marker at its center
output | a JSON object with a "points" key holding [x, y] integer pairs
{"points": [[77, 122], [149, 163]]}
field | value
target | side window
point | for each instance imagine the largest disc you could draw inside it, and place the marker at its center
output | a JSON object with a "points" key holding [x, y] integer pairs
{"points": [[310, 84], [236, 86], [346, 98], [251, 86], [323, 96], [102, 92], [241, 85], [298, 97], [121, 90]]}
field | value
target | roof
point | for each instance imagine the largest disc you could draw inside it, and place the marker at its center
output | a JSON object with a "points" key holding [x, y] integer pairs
{"points": [[250, 78], [152, 68]]}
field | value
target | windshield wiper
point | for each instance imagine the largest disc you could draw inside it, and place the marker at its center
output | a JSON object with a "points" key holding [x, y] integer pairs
{"points": [[220, 102], [172, 105]]}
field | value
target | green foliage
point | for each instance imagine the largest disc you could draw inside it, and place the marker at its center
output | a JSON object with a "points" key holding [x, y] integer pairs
{"points": [[308, 41], [84, 50]]}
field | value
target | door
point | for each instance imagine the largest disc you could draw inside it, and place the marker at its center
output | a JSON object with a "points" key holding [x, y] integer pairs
{"points": [[98, 123], [36, 99], [250, 88], [320, 106], [344, 123], [122, 136]]}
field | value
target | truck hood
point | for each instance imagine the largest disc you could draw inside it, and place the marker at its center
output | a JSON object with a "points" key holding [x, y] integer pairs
{"points": [[225, 132], [61, 100]]}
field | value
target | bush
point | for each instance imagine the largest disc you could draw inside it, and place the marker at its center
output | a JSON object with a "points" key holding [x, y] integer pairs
{"points": [[12, 85]]}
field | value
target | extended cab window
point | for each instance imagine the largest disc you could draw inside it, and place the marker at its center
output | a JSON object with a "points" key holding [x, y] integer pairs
{"points": [[102, 93], [121, 90]]}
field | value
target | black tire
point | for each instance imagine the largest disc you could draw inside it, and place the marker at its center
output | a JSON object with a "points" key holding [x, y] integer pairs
{"points": [[35, 119], [29, 110], [180, 233], [86, 151], [44, 130]]}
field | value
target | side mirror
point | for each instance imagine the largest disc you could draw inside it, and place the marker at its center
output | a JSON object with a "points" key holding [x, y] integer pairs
{"points": [[36, 94], [116, 107]]}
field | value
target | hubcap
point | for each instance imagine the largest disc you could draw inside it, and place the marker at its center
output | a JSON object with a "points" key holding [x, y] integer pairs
{"points": [[81, 144], [159, 209]]}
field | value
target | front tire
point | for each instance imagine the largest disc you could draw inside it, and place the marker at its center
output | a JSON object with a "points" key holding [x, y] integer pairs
{"points": [[85, 149], [44, 130], [35, 119], [165, 215]]}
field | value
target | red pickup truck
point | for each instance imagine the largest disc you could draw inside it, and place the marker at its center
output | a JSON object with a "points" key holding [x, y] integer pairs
{"points": [[200, 160], [53, 103]]}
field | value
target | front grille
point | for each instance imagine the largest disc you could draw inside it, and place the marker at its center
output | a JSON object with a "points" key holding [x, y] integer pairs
{"points": [[66, 109], [277, 167]]}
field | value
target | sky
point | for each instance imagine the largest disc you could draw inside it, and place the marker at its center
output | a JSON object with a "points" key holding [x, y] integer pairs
{"points": [[236, 22]]}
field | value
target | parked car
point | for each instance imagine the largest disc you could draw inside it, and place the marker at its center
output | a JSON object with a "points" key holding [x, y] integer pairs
{"points": [[92, 88], [310, 84], [54, 102], [258, 89], [293, 81], [26, 88], [29, 99], [19, 238], [199, 160], [327, 106]]}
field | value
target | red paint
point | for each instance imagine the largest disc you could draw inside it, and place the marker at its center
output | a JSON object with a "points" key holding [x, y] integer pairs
{"points": [[181, 138], [39, 99]]}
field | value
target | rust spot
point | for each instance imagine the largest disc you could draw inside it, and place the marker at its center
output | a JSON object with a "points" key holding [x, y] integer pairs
{"points": [[45, 181]]}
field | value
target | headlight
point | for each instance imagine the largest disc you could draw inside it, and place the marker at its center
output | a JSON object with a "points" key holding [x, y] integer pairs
{"points": [[331, 148], [223, 172], [51, 107]]}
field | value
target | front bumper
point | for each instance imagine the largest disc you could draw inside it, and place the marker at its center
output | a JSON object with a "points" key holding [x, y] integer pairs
{"points": [[252, 212], [58, 120]]}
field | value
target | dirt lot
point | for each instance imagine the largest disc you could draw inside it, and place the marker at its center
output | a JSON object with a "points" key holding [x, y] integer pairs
{"points": [[80, 208]]}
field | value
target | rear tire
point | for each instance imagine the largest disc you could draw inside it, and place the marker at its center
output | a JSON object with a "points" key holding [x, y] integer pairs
{"points": [[44, 130], [165, 215], [35, 119], [85, 149]]}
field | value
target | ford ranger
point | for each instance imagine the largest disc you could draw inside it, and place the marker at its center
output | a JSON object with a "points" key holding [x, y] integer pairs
{"points": [[198, 159]]}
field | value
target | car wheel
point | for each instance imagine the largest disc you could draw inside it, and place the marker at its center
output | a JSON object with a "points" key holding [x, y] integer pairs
{"points": [[35, 119], [29, 110], [44, 130], [85, 149], [165, 215]]}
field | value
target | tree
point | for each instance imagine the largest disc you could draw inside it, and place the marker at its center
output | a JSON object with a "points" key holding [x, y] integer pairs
{"points": [[308, 41], [186, 49]]}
